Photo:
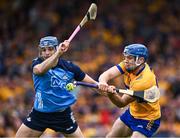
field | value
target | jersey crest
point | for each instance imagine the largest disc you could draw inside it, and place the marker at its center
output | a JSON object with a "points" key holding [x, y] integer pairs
{"points": [[58, 82]]}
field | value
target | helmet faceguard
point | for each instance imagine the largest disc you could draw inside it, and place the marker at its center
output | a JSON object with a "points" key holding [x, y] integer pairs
{"points": [[48, 41], [137, 51]]}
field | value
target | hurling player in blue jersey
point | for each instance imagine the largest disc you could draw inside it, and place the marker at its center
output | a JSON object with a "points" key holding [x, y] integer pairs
{"points": [[52, 101]]}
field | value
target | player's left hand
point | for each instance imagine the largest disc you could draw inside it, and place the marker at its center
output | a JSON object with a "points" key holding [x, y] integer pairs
{"points": [[111, 90]]}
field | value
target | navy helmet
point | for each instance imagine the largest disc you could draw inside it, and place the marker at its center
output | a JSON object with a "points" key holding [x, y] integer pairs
{"points": [[48, 41], [137, 50]]}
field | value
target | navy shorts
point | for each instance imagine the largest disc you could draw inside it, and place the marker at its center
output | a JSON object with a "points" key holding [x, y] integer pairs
{"points": [[62, 121], [146, 127]]}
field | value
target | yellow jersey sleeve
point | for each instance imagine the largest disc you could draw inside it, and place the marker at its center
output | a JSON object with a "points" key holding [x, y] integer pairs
{"points": [[121, 67]]}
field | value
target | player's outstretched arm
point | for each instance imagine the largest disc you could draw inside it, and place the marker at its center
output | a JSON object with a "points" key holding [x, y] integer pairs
{"points": [[88, 79], [105, 77]]}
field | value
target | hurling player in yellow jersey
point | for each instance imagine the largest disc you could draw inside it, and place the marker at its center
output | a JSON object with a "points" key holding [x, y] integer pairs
{"points": [[141, 119]]}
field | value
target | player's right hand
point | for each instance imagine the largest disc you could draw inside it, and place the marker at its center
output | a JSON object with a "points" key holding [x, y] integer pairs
{"points": [[63, 47]]}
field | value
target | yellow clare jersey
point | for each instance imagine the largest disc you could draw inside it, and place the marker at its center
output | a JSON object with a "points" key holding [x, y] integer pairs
{"points": [[144, 79]]}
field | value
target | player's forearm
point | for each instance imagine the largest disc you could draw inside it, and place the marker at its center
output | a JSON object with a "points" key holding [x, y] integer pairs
{"points": [[104, 77], [88, 79], [109, 74], [47, 64], [117, 100]]}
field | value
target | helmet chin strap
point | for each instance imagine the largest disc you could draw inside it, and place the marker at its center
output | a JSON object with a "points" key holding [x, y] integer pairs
{"points": [[136, 62]]}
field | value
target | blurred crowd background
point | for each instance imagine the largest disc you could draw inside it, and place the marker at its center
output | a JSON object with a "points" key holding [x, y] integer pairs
{"points": [[98, 46]]}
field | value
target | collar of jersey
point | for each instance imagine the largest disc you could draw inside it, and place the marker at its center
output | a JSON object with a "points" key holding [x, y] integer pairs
{"points": [[140, 70]]}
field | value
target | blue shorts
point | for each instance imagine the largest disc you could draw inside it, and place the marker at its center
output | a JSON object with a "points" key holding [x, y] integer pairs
{"points": [[62, 121], [146, 127]]}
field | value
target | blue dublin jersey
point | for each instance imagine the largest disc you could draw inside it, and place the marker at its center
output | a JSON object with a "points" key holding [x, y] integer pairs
{"points": [[51, 94]]}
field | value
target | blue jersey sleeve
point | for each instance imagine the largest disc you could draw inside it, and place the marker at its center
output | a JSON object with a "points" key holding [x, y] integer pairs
{"points": [[79, 75], [36, 61]]}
